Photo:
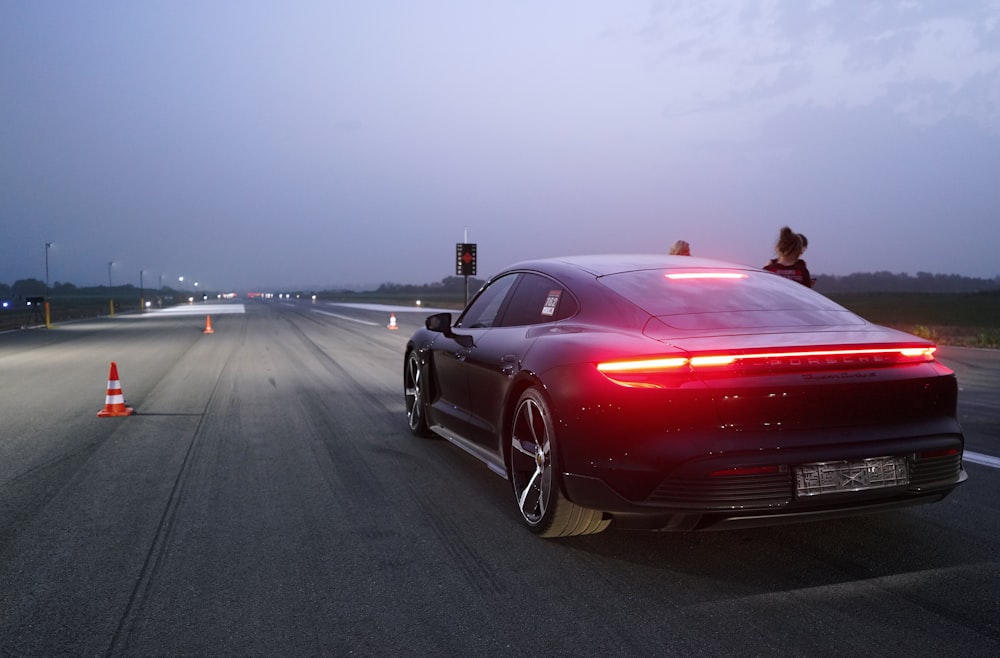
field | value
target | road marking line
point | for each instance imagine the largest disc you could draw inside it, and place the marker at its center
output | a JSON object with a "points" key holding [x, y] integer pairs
{"points": [[344, 317], [985, 460], [191, 309], [390, 308]]}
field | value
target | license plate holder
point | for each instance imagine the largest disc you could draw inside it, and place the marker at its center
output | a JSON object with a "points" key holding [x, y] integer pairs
{"points": [[850, 476]]}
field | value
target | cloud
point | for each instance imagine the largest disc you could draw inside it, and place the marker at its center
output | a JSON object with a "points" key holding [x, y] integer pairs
{"points": [[744, 62], [325, 143]]}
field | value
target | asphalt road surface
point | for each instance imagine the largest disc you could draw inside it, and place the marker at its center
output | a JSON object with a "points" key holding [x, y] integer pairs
{"points": [[267, 499]]}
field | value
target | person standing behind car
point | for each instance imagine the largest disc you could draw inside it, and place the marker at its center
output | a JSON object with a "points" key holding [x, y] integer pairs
{"points": [[789, 263], [680, 248]]}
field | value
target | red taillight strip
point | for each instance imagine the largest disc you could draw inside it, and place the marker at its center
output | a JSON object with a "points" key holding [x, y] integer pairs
{"points": [[644, 365], [926, 352], [712, 360], [675, 363]]}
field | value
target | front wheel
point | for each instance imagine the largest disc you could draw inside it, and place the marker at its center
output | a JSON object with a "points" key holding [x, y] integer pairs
{"points": [[414, 394], [535, 478]]}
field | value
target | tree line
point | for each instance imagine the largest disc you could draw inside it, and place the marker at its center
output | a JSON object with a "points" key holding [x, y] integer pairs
{"points": [[24, 288], [860, 282], [923, 282], [449, 284]]}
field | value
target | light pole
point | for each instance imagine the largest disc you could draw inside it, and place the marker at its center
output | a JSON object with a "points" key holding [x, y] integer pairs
{"points": [[47, 246], [142, 294], [48, 317], [110, 286]]}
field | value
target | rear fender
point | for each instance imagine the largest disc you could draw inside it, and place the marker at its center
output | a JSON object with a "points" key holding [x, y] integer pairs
{"points": [[524, 380]]}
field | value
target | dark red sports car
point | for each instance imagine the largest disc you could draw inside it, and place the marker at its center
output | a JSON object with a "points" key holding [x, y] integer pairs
{"points": [[676, 393]]}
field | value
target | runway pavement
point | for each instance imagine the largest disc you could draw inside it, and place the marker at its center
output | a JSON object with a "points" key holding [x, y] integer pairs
{"points": [[267, 499]]}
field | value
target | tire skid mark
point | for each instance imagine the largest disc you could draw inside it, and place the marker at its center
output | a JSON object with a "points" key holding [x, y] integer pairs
{"points": [[165, 527], [349, 476], [378, 339], [477, 570], [61, 471], [452, 538], [340, 373], [855, 571]]}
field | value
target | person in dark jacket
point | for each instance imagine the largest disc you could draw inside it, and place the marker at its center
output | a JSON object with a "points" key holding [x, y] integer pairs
{"points": [[789, 263]]}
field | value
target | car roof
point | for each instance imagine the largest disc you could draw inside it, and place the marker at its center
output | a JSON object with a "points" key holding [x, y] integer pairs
{"points": [[605, 264]]}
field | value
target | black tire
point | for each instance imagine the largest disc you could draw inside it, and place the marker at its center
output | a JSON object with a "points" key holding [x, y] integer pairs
{"points": [[535, 477], [414, 395]]}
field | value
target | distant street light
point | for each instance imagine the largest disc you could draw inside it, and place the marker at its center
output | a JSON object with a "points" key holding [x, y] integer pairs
{"points": [[142, 293]]}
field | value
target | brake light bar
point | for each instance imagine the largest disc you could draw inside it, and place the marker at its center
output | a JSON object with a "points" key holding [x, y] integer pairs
{"points": [[705, 275], [921, 353], [845, 357]]}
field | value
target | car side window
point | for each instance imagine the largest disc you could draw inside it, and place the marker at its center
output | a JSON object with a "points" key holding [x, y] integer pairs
{"points": [[536, 300], [483, 310]]}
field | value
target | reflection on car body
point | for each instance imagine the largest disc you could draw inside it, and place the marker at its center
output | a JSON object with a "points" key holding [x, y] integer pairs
{"points": [[677, 393]]}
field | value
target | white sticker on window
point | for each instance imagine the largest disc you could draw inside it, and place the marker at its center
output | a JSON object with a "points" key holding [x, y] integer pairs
{"points": [[551, 302]]}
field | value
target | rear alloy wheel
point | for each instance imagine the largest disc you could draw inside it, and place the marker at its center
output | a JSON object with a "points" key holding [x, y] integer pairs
{"points": [[535, 477], [413, 391]]}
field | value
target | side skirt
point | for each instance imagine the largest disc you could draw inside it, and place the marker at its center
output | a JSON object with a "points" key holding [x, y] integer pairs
{"points": [[492, 461]]}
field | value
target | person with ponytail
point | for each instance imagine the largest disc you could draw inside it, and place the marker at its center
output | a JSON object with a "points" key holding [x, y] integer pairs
{"points": [[789, 263], [680, 248]]}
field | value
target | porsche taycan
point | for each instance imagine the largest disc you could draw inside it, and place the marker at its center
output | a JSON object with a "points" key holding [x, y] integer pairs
{"points": [[676, 393]]}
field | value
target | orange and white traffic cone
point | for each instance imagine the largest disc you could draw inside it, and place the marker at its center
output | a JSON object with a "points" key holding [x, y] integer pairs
{"points": [[392, 321], [208, 325], [114, 403]]}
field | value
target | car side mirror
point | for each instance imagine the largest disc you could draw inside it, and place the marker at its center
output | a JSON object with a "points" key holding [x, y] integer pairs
{"points": [[441, 323]]}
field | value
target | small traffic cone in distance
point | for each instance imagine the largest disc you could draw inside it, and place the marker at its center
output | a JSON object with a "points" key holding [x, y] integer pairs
{"points": [[208, 325], [392, 321], [114, 402]]}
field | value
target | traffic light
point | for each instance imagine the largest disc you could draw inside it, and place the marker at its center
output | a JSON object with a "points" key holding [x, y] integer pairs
{"points": [[465, 259]]}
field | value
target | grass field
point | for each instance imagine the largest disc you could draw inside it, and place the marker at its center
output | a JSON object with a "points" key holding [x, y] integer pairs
{"points": [[64, 308], [968, 319]]}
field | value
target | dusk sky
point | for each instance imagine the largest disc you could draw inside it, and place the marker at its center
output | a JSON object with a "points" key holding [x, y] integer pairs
{"points": [[250, 144]]}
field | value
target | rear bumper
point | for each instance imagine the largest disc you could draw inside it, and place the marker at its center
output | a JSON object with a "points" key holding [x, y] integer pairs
{"points": [[697, 497]]}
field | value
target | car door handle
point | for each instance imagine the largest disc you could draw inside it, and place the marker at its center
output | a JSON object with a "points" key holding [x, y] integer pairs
{"points": [[508, 364]]}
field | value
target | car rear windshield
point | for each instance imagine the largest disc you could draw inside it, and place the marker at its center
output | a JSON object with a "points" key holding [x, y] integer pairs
{"points": [[726, 298]]}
